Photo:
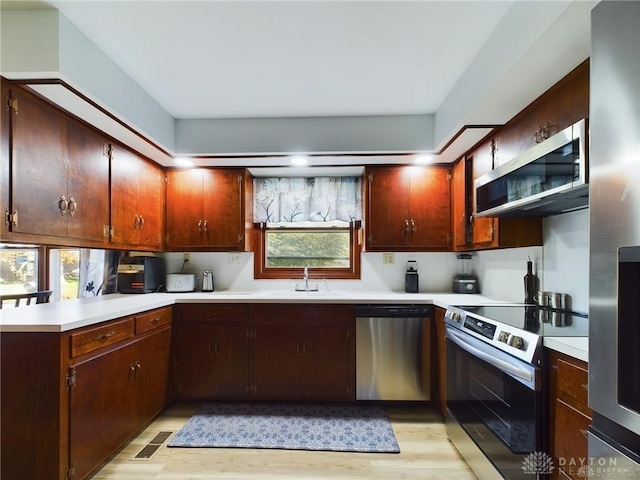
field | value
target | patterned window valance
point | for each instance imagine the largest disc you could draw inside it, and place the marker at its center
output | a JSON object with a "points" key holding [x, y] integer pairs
{"points": [[296, 200]]}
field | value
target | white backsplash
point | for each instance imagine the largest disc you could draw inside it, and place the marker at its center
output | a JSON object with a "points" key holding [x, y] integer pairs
{"points": [[561, 266]]}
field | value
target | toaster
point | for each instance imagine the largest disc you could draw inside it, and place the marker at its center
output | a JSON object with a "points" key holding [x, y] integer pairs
{"points": [[181, 282]]}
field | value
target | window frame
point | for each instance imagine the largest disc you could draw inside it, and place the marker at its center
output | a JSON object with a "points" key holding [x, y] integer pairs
{"points": [[261, 271]]}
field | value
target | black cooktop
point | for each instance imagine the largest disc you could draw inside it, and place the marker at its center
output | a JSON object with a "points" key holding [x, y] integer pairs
{"points": [[542, 321]]}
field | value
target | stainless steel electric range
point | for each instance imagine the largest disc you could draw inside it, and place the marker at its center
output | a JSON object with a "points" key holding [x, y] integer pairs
{"points": [[495, 383]]}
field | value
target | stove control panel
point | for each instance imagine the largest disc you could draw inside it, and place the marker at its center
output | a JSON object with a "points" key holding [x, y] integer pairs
{"points": [[515, 341]]}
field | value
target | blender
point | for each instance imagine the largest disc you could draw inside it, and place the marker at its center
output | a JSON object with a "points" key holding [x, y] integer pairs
{"points": [[464, 281]]}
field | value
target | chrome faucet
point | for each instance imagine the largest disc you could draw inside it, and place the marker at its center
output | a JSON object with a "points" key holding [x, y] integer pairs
{"points": [[305, 277]]}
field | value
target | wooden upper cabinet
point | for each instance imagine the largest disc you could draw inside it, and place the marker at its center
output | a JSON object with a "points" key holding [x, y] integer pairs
{"points": [[475, 233], [88, 183], [137, 195], [59, 175], [408, 208], [205, 209]]}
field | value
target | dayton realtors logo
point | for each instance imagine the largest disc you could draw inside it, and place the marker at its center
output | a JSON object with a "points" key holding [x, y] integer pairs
{"points": [[540, 463], [537, 463]]}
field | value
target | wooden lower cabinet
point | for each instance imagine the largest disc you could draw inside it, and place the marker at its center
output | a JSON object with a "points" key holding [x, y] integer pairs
{"points": [[70, 400], [569, 415], [211, 352], [439, 359], [303, 352], [264, 352]]}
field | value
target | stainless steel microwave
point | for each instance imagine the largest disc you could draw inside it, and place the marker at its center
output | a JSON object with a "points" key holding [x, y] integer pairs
{"points": [[549, 179]]}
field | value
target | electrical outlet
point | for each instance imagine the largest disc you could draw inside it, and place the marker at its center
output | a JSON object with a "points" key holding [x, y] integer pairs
{"points": [[186, 257], [388, 258], [234, 259]]}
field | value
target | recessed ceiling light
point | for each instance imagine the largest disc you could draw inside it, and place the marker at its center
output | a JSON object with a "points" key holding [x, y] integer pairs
{"points": [[299, 160], [183, 162], [424, 158]]}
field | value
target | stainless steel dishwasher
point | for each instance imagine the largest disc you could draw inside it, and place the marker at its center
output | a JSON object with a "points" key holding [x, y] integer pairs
{"points": [[392, 352]]}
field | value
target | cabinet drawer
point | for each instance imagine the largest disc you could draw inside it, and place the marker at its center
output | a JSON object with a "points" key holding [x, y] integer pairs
{"points": [[573, 378], [570, 439], [99, 337], [154, 319]]}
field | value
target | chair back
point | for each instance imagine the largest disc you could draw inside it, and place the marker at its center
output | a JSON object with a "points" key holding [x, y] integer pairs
{"points": [[40, 297]]}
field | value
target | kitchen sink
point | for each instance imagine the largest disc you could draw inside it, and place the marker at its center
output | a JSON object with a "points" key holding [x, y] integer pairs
{"points": [[302, 293]]}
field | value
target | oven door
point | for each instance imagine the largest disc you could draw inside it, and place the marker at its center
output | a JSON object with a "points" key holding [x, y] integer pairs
{"points": [[494, 406]]}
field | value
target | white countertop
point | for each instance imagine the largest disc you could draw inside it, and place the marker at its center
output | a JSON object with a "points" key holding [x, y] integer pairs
{"points": [[576, 347], [68, 315]]}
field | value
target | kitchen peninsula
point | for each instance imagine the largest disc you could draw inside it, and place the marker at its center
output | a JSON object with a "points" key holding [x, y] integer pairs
{"points": [[70, 369]]}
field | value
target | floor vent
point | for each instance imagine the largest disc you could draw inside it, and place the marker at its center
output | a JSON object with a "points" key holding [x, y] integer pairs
{"points": [[152, 447]]}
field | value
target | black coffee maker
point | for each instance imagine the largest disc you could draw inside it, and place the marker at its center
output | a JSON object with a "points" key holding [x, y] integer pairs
{"points": [[411, 277]]}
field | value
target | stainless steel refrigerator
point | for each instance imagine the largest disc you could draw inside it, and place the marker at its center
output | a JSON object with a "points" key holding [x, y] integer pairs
{"points": [[614, 204]]}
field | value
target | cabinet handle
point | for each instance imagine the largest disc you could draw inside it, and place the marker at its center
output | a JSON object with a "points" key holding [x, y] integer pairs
{"points": [[155, 320], [72, 205], [585, 386], [213, 314], [585, 433], [304, 349], [141, 221], [297, 349], [11, 219], [62, 204], [200, 226], [138, 368], [206, 226], [136, 221], [413, 226], [132, 371], [104, 336]]}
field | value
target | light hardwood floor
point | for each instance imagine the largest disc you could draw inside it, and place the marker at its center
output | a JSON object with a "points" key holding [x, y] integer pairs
{"points": [[426, 454]]}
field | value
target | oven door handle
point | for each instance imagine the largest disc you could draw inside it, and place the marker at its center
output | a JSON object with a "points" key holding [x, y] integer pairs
{"points": [[496, 362]]}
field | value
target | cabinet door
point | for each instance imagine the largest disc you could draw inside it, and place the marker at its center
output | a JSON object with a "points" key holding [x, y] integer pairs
{"points": [[222, 208], [184, 208], [277, 352], [101, 406], [38, 158], [152, 376], [125, 168], [459, 213], [150, 203], [326, 370], [430, 208], [87, 183], [387, 222], [231, 361], [194, 360], [211, 358]]}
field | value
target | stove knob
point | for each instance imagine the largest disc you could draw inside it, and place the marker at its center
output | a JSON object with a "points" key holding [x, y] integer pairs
{"points": [[503, 337], [516, 342], [456, 316]]}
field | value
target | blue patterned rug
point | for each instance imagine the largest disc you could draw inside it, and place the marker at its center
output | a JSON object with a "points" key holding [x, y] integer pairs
{"points": [[291, 427]]}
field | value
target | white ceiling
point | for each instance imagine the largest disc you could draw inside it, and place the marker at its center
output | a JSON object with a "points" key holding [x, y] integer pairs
{"points": [[466, 62], [242, 59]]}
